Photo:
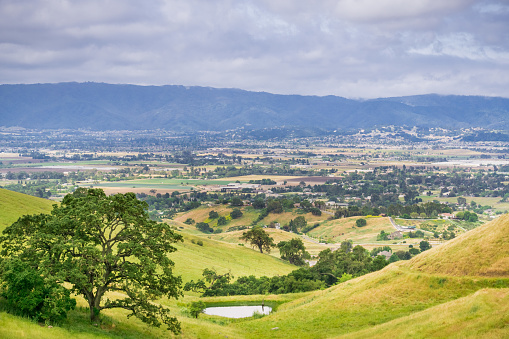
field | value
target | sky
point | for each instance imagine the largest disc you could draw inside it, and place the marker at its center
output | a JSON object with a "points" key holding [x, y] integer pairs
{"points": [[349, 48]]}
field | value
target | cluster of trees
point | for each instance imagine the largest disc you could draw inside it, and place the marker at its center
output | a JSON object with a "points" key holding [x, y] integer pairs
{"points": [[331, 268], [468, 216]]}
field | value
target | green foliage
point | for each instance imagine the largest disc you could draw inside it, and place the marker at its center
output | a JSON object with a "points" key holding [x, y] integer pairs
{"points": [[222, 221], [361, 222], [257, 237], [236, 201], [315, 211], [236, 213], [195, 308], [267, 181], [346, 246], [26, 292], [294, 251], [258, 204], [210, 284], [213, 215], [424, 245], [394, 258], [204, 227], [414, 251], [331, 268], [189, 221], [382, 236], [274, 206], [298, 224], [100, 243]]}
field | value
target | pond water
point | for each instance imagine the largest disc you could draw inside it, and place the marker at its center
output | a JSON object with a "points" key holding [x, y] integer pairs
{"points": [[237, 311]]}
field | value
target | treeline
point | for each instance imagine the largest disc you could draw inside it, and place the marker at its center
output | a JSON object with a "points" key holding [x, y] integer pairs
{"points": [[331, 268], [34, 175], [428, 210]]}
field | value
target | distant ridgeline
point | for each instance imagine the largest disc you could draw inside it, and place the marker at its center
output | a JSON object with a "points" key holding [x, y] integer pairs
{"points": [[100, 106]]}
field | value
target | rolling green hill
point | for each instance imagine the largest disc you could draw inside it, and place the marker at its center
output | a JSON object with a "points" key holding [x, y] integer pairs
{"points": [[13, 205]]}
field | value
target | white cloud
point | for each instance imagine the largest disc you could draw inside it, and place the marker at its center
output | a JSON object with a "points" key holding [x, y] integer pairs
{"points": [[359, 48], [461, 45]]}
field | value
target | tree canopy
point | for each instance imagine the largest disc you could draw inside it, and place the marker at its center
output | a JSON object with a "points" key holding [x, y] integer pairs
{"points": [[294, 251], [98, 244], [257, 237]]}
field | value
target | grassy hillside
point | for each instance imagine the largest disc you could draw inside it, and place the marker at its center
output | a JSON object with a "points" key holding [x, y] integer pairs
{"points": [[190, 259], [278, 235], [483, 251], [338, 230], [484, 314], [13, 205], [401, 290], [250, 214]]}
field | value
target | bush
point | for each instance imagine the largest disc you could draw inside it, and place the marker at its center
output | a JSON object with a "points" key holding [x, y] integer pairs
{"points": [[195, 308], [236, 213], [27, 294], [189, 221], [360, 222], [204, 227]]}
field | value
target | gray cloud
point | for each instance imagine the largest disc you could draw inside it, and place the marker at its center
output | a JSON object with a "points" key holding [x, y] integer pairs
{"points": [[353, 48]]}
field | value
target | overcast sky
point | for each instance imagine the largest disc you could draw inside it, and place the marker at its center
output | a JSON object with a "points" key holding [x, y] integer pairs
{"points": [[350, 48]]}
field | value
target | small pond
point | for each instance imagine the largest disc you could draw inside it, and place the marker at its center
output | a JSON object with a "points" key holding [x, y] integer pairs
{"points": [[237, 311]]}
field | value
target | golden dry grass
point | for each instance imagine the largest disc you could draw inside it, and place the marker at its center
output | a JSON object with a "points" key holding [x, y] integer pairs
{"points": [[483, 251], [484, 314], [339, 230]]}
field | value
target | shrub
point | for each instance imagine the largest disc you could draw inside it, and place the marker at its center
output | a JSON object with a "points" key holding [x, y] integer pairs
{"points": [[26, 293], [195, 308], [204, 227], [236, 213], [360, 222]]}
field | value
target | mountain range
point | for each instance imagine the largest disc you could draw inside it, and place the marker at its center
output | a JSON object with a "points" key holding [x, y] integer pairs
{"points": [[100, 106]]}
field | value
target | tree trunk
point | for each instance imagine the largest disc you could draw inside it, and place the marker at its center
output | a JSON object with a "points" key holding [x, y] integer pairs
{"points": [[94, 309], [93, 316]]}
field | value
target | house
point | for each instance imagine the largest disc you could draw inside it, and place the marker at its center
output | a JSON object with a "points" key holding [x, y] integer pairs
{"points": [[386, 254], [446, 216], [395, 235]]}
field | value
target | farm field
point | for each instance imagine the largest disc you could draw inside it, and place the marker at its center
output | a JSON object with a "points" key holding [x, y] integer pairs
{"points": [[156, 183]]}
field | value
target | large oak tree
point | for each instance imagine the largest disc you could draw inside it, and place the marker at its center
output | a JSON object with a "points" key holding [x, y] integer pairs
{"points": [[100, 244]]}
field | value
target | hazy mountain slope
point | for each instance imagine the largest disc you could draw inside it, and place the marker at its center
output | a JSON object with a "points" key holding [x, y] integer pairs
{"points": [[104, 106]]}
